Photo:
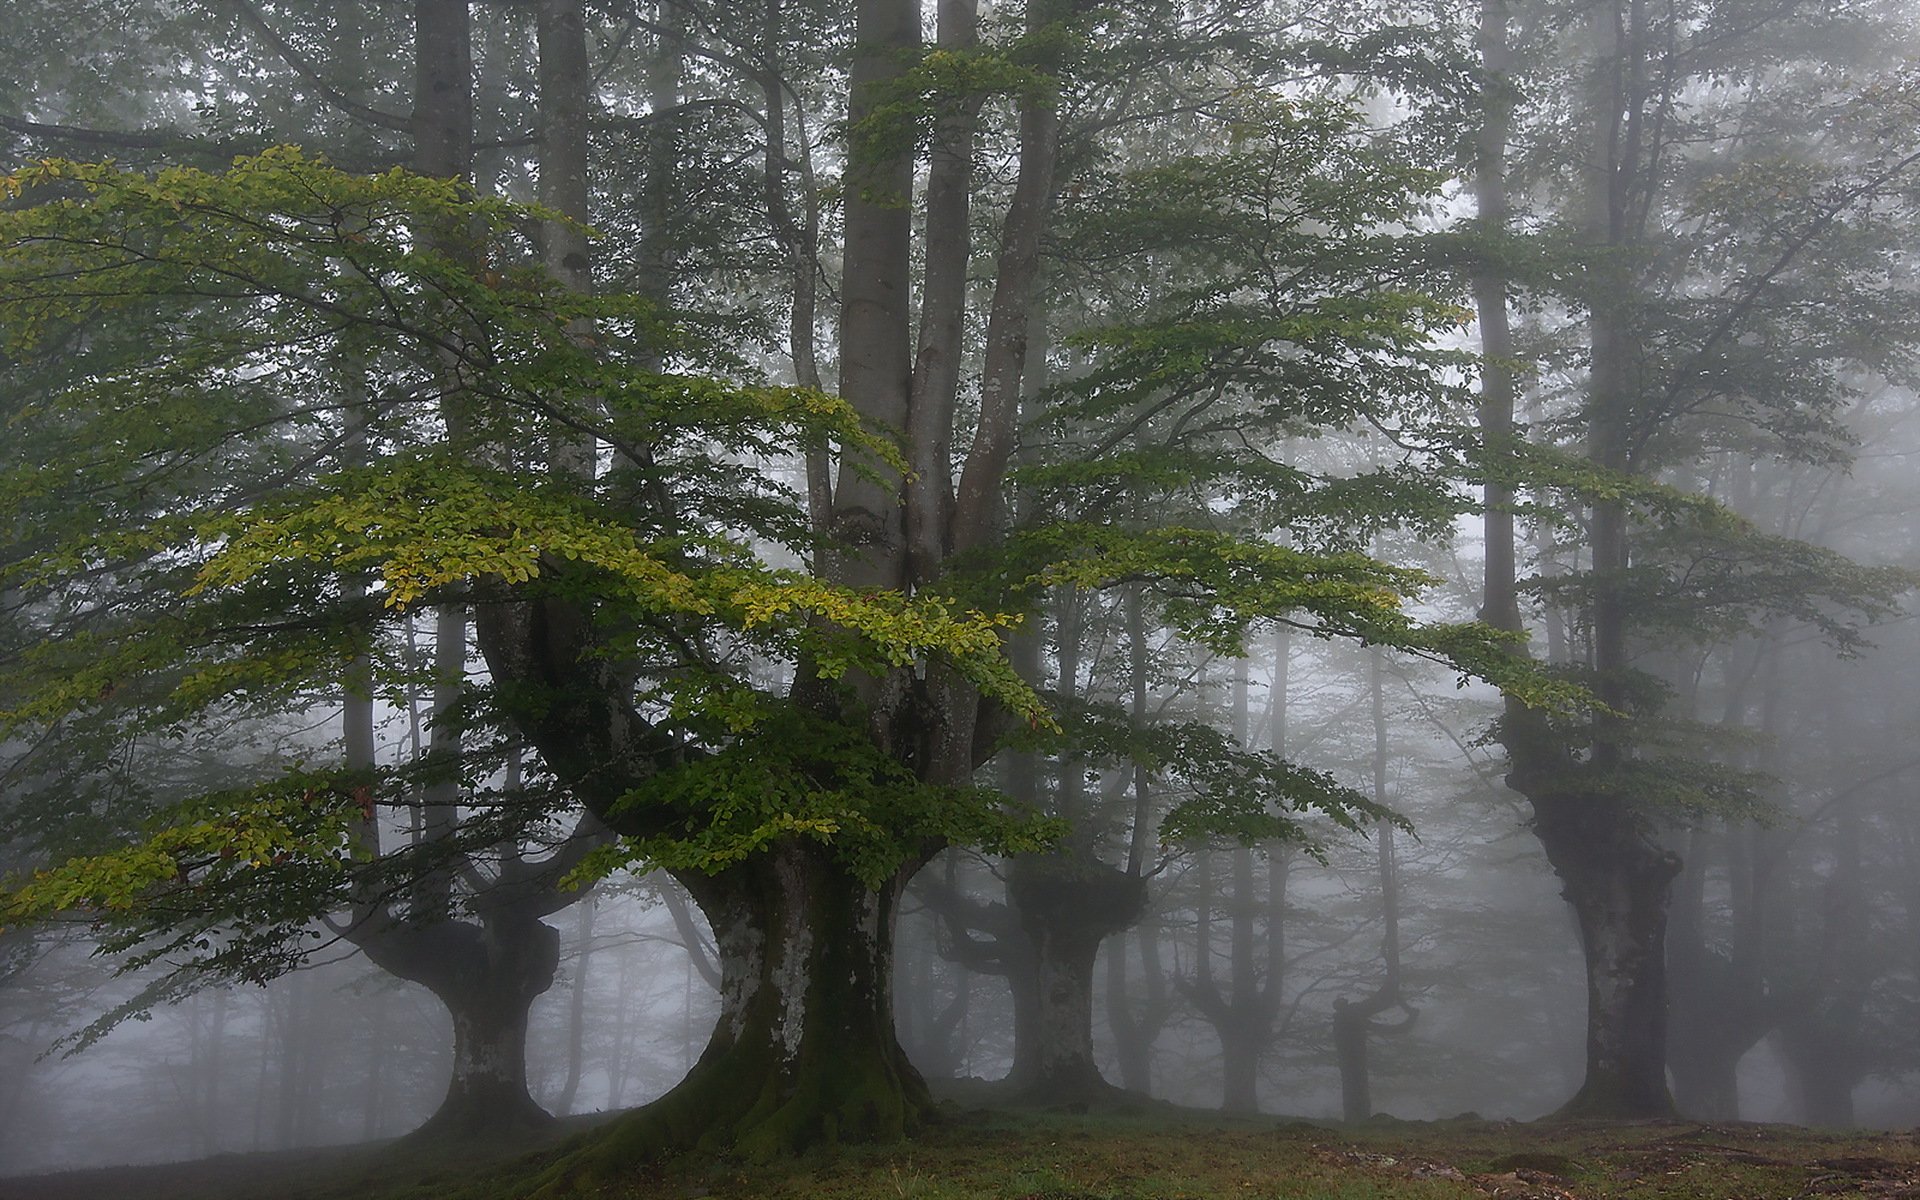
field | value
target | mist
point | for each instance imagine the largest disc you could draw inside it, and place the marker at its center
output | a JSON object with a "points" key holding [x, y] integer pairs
{"points": [[731, 583]]}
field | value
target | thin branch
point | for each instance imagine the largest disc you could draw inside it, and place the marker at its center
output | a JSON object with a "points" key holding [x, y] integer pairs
{"points": [[138, 139], [307, 70]]}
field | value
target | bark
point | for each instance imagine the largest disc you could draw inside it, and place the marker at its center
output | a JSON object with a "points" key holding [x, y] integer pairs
{"points": [[488, 976], [978, 503], [439, 801], [930, 1034], [1619, 885], [1136, 1029], [1353, 1022], [1067, 907], [1004, 951], [1246, 1034], [675, 900], [1243, 1011], [1500, 605], [804, 1051], [577, 1011], [799, 239], [875, 364], [564, 77], [443, 88], [936, 370], [1134, 1033], [1719, 999], [486, 971], [1822, 1031]]}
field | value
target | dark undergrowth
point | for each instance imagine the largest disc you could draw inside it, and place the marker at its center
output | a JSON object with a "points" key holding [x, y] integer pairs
{"points": [[1151, 1153]]}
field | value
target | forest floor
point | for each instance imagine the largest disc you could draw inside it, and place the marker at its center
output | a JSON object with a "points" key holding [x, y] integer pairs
{"points": [[1003, 1155]]}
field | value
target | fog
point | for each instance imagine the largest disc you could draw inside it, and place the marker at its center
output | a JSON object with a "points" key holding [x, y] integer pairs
{"points": [[812, 563]]}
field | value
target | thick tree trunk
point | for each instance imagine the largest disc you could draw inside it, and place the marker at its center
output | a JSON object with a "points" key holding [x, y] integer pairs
{"points": [[487, 1093], [938, 356], [1706, 1086], [1240, 1069], [1619, 887], [488, 976], [978, 496], [1719, 999], [1617, 882], [876, 366], [1242, 1009], [1823, 1080], [805, 1050], [1350, 1046], [1067, 907]]}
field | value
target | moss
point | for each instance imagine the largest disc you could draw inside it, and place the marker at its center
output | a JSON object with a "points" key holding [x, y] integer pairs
{"points": [[1177, 1155], [1546, 1162]]}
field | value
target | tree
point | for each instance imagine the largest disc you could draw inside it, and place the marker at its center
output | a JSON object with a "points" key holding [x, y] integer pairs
{"points": [[1693, 285], [791, 745]]}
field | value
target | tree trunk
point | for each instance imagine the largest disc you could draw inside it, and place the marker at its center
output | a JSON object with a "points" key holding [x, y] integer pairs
{"points": [[1353, 1022], [1719, 999], [1619, 887], [1067, 907], [1822, 1080], [876, 367], [805, 1050], [948, 246], [1706, 1086], [1134, 1033], [1350, 1047], [1242, 1011], [1617, 881], [577, 1012], [1243, 1046], [488, 976], [487, 1092]]}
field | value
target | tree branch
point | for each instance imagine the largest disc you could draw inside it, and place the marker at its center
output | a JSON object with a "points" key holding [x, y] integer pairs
{"points": [[140, 139], [306, 69]]}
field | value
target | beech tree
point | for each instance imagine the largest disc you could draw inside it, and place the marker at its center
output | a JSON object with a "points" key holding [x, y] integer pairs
{"points": [[1693, 223], [585, 472]]}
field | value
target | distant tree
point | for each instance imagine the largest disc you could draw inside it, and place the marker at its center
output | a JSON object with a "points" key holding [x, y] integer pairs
{"points": [[1723, 289]]}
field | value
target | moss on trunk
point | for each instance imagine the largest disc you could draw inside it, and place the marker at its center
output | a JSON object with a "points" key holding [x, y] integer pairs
{"points": [[804, 1053]]}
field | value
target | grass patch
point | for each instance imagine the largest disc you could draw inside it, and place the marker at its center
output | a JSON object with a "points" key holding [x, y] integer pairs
{"points": [[1160, 1155]]}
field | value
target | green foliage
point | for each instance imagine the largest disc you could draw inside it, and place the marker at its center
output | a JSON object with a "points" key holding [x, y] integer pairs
{"points": [[202, 844], [269, 418], [1701, 572], [792, 773], [1212, 586], [1250, 490], [903, 111], [1227, 790]]}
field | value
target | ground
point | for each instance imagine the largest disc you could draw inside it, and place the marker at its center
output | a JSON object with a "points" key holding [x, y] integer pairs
{"points": [[998, 1155]]}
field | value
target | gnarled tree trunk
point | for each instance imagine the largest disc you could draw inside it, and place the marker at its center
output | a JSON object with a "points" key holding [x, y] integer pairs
{"points": [[804, 1051], [1067, 905], [1619, 885], [488, 976]]}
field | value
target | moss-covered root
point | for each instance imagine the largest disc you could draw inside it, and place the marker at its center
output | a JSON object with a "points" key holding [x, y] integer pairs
{"points": [[804, 1053], [731, 1106]]}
